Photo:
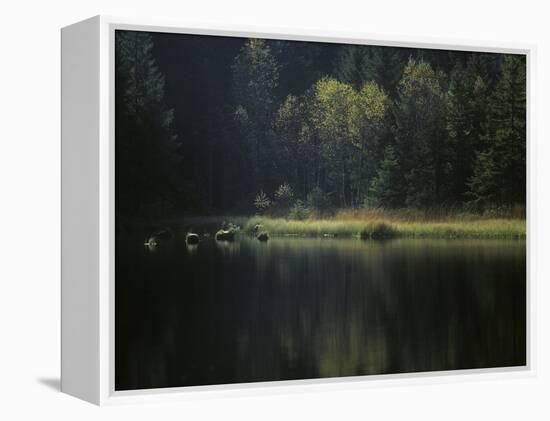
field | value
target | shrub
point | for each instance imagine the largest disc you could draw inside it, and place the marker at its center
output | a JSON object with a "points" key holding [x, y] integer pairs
{"points": [[284, 196], [318, 200], [377, 231], [299, 211], [262, 202]]}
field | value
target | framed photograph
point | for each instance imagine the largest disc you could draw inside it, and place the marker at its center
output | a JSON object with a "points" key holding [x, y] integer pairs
{"points": [[246, 208]]}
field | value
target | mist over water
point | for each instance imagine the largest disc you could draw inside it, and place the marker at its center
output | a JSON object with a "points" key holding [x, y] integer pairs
{"points": [[296, 308]]}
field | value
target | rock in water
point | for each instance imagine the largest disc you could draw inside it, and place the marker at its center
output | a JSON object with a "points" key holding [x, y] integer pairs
{"points": [[151, 242], [263, 236], [192, 238], [223, 235]]}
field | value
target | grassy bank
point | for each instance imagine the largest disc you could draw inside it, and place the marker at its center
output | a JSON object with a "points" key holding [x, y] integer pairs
{"points": [[388, 227]]}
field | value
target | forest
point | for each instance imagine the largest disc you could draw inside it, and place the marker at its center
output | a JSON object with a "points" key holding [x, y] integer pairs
{"points": [[296, 210], [209, 125]]}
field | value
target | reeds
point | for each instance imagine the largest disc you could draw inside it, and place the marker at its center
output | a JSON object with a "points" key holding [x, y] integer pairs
{"points": [[445, 223], [378, 225]]}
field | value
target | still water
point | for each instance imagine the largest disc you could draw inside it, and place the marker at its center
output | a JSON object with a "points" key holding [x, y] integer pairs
{"points": [[296, 308]]}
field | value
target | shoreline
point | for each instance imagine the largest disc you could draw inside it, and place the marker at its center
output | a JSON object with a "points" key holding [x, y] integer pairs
{"points": [[376, 228]]}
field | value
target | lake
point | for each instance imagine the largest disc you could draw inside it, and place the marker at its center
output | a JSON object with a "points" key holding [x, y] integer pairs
{"points": [[302, 308]]}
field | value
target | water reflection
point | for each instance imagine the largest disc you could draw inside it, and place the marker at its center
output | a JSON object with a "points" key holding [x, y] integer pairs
{"points": [[191, 248], [151, 244], [229, 248], [306, 308]]}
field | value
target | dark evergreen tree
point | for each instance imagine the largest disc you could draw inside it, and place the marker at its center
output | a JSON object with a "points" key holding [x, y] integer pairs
{"points": [[146, 147], [348, 125], [421, 138], [500, 170], [388, 186], [466, 117], [255, 79], [358, 64], [384, 65], [301, 64], [350, 66]]}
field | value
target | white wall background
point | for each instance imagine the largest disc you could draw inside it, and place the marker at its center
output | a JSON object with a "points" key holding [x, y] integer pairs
{"points": [[29, 207]]}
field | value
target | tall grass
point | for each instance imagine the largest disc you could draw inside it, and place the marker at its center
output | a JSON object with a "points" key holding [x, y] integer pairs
{"points": [[434, 214], [383, 224]]}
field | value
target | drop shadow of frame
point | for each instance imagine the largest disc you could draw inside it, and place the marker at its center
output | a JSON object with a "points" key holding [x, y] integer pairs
{"points": [[53, 383]]}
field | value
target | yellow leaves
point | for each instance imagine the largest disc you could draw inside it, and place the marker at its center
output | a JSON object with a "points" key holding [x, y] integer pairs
{"points": [[257, 50], [335, 111], [343, 112], [328, 89], [287, 109], [374, 101], [419, 75]]}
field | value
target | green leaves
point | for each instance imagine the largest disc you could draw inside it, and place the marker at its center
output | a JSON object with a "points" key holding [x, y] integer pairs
{"points": [[336, 111], [336, 128], [299, 211], [262, 203], [330, 125], [284, 196]]}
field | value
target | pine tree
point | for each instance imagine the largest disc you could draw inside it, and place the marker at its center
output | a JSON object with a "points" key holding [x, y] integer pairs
{"points": [[387, 189], [255, 79], [384, 65], [466, 117], [146, 147], [350, 66], [358, 64], [420, 133], [500, 170]]}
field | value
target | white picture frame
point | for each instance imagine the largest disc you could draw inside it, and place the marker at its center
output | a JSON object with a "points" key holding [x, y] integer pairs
{"points": [[87, 323]]}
